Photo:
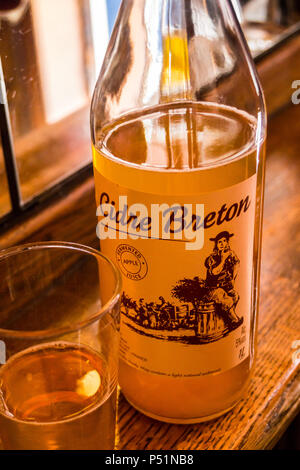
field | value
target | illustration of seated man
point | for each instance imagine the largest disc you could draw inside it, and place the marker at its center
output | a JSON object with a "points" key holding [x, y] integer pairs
{"points": [[222, 269], [164, 314], [152, 315]]}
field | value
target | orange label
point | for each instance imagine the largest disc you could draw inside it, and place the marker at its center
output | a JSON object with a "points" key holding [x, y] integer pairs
{"points": [[187, 264]]}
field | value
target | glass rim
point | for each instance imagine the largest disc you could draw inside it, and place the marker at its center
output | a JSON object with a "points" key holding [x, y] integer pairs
{"points": [[77, 247]]}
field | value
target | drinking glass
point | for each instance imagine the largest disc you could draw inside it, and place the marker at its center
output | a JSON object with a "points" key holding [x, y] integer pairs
{"points": [[59, 325]]}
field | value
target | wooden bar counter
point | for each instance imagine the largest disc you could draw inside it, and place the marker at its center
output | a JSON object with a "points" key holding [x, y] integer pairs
{"points": [[273, 397]]}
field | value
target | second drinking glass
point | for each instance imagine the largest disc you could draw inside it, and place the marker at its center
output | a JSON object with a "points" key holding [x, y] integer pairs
{"points": [[59, 342]]}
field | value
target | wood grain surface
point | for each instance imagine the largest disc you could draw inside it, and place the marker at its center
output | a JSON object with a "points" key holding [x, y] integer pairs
{"points": [[273, 396]]}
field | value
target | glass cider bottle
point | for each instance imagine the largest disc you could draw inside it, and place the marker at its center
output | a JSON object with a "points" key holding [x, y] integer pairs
{"points": [[178, 131]]}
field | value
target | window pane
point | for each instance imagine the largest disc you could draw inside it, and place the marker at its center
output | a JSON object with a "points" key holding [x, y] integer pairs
{"points": [[47, 49], [112, 10], [5, 206]]}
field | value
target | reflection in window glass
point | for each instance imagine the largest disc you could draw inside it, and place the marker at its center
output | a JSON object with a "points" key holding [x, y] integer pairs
{"points": [[5, 206], [112, 10], [49, 55]]}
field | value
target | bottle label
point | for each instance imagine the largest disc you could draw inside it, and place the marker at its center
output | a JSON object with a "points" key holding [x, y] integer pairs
{"points": [[187, 263]]}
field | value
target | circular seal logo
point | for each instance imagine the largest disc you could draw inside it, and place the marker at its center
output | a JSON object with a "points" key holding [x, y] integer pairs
{"points": [[131, 262]]}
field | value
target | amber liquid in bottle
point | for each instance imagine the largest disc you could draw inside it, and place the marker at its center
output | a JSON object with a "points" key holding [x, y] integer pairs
{"points": [[55, 396], [181, 149]]}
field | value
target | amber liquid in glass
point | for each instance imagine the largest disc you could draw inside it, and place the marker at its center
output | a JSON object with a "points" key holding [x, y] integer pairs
{"points": [[182, 148], [56, 396]]}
